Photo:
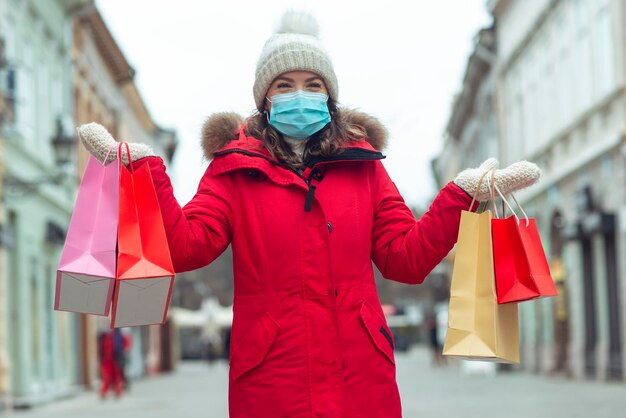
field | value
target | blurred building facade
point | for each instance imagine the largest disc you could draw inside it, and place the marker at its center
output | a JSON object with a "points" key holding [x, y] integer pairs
{"points": [[561, 69], [559, 78], [38, 358], [105, 92], [59, 67]]}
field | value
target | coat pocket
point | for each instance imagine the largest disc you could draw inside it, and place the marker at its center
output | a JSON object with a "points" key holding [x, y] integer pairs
{"points": [[252, 348], [378, 331]]}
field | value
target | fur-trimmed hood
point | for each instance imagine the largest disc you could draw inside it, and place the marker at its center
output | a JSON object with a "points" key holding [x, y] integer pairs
{"points": [[219, 129]]}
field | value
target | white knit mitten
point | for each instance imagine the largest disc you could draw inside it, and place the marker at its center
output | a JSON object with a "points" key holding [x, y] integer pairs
{"points": [[515, 177], [101, 144]]}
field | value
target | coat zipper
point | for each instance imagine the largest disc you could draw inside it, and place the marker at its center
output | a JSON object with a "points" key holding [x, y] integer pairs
{"points": [[308, 202]]}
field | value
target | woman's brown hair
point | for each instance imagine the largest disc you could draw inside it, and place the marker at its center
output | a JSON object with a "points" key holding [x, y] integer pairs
{"points": [[325, 143]]}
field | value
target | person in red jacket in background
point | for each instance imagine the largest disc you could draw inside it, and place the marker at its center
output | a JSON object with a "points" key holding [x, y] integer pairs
{"points": [[110, 372], [299, 191]]}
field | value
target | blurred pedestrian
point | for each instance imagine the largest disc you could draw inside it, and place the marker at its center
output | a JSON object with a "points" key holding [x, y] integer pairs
{"points": [[434, 343], [299, 191], [226, 333], [110, 373]]}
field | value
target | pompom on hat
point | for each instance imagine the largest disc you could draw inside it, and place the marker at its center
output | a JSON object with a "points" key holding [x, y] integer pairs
{"points": [[294, 46]]}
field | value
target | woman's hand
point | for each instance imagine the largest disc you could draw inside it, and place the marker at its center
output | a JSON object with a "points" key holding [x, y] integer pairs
{"points": [[101, 145], [515, 177]]}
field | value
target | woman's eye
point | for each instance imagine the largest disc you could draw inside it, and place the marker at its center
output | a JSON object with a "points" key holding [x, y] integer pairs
{"points": [[314, 85], [283, 86]]}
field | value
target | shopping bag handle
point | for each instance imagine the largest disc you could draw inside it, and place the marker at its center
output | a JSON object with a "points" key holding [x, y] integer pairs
{"points": [[494, 188], [106, 157], [480, 182], [520, 208], [119, 153]]}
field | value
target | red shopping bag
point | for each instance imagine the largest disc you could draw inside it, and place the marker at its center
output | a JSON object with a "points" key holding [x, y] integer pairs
{"points": [[520, 265], [145, 274]]}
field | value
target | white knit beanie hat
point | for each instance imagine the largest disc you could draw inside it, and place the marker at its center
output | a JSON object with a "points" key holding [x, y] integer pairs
{"points": [[293, 47]]}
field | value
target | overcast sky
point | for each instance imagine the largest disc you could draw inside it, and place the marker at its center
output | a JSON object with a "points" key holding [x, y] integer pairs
{"points": [[401, 61]]}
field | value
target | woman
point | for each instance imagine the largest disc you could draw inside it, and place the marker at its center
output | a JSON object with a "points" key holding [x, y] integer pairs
{"points": [[299, 191]]}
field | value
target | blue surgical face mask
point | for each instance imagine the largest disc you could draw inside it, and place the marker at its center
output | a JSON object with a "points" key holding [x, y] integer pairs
{"points": [[299, 114]]}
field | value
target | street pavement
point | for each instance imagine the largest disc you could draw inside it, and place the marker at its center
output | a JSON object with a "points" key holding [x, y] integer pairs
{"points": [[198, 390]]}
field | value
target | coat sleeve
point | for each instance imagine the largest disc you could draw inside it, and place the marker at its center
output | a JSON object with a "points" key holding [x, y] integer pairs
{"points": [[201, 230], [404, 249]]}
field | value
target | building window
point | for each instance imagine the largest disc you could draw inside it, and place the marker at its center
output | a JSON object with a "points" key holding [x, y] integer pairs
{"points": [[562, 66], [25, 86], [581, 86], [604, 59], [44, 120]]}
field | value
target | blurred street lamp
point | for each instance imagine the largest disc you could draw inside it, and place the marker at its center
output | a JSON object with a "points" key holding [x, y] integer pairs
{"points": [[170, 143], [63, 142]]}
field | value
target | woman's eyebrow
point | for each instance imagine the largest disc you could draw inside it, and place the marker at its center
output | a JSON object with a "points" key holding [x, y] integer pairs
{"points": [[285, 78], [312, 78]]}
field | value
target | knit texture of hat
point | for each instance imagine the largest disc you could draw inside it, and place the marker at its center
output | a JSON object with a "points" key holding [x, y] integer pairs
{"points": [[294, 47]]}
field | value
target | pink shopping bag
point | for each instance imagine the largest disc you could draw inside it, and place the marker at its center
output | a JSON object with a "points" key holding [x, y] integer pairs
{"points": [[86, 271]]}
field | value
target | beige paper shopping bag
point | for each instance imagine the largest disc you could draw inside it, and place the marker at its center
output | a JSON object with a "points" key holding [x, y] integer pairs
{"points": [[478, 328]]}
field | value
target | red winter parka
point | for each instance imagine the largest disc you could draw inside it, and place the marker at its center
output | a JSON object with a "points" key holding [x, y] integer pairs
{"points": [[309, 338]]}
